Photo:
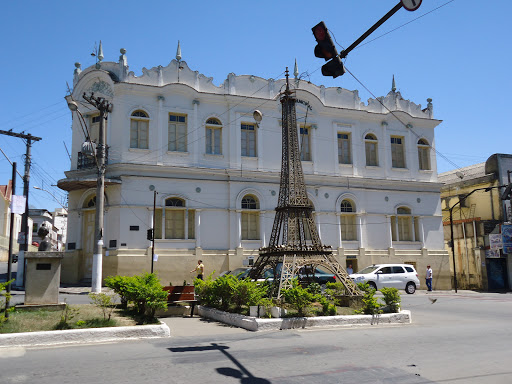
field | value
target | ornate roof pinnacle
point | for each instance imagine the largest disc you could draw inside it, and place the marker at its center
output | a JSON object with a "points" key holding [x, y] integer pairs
{"points": [[178, 52]]}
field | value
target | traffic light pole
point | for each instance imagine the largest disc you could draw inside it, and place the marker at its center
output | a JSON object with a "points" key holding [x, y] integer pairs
{"points": [[153, 232], [395, 9]]}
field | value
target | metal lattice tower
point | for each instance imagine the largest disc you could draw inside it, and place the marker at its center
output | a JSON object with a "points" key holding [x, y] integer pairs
{"points": [[294, 241]]}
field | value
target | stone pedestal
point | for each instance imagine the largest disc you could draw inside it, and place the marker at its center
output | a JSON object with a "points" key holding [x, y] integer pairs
{"points": [[42, 277]]}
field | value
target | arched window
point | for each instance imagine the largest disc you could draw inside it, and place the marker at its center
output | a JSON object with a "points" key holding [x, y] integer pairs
{"points": [[213, 136], [348, 220], [371, 148], [404, 227], [179, 222], [397, 152], [139, 130], [424, 154], [250, 218]]}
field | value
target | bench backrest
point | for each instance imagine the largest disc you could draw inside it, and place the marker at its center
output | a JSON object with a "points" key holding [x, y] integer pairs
{"points": [[180, 293]]}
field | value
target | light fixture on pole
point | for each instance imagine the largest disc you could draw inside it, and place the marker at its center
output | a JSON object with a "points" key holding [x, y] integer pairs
{"points": [[52, 195], [104, 107]]}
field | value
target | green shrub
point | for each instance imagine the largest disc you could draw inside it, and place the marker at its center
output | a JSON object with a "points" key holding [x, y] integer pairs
{"points": [[392, 299], [4, 296], [314, 288], [205, 291], [371, 305], [122, 285], [247, 292], [68, 313], [106, 302], [299, 298], [144, 291]]}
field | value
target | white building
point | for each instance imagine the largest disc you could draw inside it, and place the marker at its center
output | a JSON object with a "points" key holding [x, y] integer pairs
{"points": [[369, 169]]}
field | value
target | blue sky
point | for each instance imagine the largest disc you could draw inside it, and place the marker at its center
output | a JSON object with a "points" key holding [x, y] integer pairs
{"points": [[456, 52]]}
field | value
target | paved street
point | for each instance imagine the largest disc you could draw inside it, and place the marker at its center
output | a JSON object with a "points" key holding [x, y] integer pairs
{"points": [[461, 338]]}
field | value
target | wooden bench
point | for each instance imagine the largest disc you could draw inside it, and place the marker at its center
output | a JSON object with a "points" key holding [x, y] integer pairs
{"points": [[182, 294]]}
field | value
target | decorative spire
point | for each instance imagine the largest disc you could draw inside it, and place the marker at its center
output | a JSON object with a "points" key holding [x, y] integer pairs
{"points": [[178, 52], [287, 85], [100, 53], [296, 70], [393, 85]]}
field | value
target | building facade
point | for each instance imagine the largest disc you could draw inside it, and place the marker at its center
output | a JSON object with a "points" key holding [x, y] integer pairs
{"points": [[194, 148], [478, 210]]}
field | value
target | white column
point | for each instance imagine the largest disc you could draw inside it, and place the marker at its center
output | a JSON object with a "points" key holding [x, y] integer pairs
{"points": [[198, 228], [194, 132], [262, 228], [421, 231], [314, 155], [359, 228], [239, 227], [160, 137], [340, 240], [388, 220]]}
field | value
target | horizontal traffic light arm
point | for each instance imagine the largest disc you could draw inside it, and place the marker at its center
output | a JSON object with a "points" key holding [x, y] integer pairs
{"points": [[395, 9]]}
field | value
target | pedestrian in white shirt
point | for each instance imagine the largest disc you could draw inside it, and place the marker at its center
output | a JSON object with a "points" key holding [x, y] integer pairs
{"points": [[428, 278]]}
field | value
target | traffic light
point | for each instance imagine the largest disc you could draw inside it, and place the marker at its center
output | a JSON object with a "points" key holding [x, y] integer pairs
{"points": [[326, 50], [150, 234]]}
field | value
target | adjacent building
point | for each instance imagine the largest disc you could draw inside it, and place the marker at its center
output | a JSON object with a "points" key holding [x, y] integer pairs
{"points": [[474, 194], [189, 155]]}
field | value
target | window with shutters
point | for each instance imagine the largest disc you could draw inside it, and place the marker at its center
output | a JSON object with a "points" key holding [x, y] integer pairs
{"points": [[250, 218], [424, 154], [177, 133], [371, 149], [179, 221], [305, 142], [213, 137], [397, 152], [344, 153], [139, 127], [348, 220], [248, 144]]}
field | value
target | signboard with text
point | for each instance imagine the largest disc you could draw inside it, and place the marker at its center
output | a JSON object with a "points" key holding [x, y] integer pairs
{"points": [[506, 233], [495, 241]]}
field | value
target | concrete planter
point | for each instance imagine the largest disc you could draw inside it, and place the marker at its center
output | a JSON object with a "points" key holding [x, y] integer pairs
{"points": [[277, 312], [257, 311], [254, 324]]}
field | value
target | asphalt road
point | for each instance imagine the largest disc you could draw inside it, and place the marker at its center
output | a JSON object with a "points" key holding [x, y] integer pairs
{"points": [[460, 338]]}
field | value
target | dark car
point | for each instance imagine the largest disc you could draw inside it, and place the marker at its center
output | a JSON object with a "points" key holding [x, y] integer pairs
{"points": [[14, 257], [307, 275]]}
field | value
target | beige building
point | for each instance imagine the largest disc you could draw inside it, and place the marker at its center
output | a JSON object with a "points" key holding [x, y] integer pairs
{"points": [[474, 195]]}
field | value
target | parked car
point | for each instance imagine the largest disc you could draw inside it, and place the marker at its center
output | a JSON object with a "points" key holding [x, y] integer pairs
{"points": [[400, 276], [14, 257], [307, 275], [243, 272]]}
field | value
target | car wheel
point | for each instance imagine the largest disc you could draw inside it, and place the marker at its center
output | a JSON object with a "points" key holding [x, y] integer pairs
{"points": [[410, 288], [372, 285]]}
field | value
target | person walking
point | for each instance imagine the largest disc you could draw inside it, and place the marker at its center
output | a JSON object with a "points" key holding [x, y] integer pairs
{"points": [[199, 269], [428, 278]]}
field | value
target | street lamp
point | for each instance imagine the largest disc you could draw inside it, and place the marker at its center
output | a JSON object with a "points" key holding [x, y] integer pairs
{"points": [[52, 195], [104, 107], [461, 200]]}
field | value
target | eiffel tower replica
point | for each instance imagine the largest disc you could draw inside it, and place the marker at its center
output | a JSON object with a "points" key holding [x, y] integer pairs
{"points": [[294, 241]]}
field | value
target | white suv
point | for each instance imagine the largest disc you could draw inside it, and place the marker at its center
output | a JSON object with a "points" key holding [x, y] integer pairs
{"points": [[401, 276]]}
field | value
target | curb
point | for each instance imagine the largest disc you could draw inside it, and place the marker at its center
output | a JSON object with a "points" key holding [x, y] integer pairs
{"points": [[81, 336], [257, 324]]}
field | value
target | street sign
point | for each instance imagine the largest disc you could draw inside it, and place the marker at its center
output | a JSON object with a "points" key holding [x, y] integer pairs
{"points": [[411, 5]]}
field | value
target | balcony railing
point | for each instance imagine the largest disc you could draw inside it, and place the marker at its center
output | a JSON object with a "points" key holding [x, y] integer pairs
{"points": [[85, 162]]}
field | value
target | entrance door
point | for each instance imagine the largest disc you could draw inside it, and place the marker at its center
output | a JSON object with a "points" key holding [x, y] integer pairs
{"points": [[88, 242], [497, 274]]}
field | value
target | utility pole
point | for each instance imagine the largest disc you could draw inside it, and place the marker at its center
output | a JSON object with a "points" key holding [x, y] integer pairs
{"points": [[104, 107], [24, 220], [11, 231]]}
